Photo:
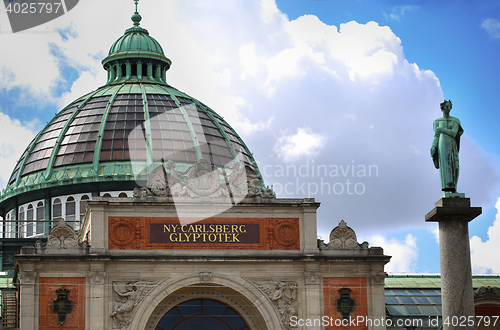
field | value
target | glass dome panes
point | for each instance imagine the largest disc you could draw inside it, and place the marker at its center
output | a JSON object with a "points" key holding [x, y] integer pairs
{"points": [[39, 156], [170, 133], [120, 140], [79, 141], [216, 144]]}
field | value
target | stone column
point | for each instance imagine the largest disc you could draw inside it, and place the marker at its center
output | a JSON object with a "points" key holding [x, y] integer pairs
{"points": [[453, 216], [28, 300], [96, 315], [313, 294]]}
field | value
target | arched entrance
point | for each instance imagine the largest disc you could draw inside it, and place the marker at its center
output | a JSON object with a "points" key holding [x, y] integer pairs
{"points": [[202, 314], [257, 312]]}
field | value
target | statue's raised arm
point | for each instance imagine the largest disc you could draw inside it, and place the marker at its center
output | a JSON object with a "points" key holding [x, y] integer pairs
{"points": [[445, 147]]}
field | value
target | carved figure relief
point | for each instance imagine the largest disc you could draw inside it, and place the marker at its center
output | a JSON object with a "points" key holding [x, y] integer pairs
{"points": [[283, 295], [203, 179], [126, 300]]}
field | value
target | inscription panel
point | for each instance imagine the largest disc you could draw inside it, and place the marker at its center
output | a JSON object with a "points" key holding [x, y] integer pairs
{"points": [[147, 233]]}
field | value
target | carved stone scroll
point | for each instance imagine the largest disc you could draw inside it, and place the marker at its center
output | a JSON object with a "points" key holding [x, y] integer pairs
{"points": [[342, 237]]}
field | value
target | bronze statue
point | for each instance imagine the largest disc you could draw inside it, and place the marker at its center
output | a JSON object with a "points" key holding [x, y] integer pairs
{"points": [[445, 147]]}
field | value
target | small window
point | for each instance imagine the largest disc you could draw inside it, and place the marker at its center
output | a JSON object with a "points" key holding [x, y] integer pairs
{"points": [[122, 195], [71, 211], [106, 195], [29, 221], [40, 218], [56, 212], [20, 229], [134, 69]]}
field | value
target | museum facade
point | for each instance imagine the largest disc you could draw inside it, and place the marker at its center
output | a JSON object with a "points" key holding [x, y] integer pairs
{"points": [[141, 208]]}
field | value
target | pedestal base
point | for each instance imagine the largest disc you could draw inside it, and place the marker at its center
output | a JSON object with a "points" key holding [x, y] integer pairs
{"points": [[453, 216]]}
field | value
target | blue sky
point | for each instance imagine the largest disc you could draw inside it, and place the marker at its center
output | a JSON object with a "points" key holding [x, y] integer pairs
{"points": [[308, 84]]}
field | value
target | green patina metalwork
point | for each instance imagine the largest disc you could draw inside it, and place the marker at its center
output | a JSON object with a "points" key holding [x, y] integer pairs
{"points": [[147, 125], [445, 148]]}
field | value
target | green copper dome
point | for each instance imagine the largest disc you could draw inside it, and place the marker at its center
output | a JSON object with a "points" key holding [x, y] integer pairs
{"points": [[135, 122], [136, 40]]}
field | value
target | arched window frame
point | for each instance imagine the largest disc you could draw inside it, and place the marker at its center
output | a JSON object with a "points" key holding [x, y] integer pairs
{"points": [[40, 218], [30, 217]]}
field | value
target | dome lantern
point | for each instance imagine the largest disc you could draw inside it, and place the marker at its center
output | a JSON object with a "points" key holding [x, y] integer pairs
{"points": [[136, 56]]}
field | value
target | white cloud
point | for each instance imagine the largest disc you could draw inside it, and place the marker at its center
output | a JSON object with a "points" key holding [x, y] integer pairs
{"points": [[492, 26], [304, 143], [435, 231], [484, 256], [14, 138], [404, 253]]}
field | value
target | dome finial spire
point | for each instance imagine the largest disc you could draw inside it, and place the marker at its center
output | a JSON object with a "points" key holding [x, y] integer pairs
{"points": [[136, 18]]}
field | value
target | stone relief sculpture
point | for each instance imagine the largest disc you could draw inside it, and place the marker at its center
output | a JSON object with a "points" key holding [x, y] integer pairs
{"points": [[61, 236], [203, 180], [445, 147], [125, 301], [283, 295], [342, 237], [61, 239]]}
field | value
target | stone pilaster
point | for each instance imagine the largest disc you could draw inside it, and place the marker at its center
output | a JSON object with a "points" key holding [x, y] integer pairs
{"points": [[453, 216], [28, 301], [376, 290], [310, 230], [312, 279], [96, 282], [98, 228]]}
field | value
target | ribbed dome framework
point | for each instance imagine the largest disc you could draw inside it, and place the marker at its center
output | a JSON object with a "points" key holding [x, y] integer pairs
{"points": [[133, 123]]}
